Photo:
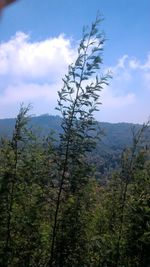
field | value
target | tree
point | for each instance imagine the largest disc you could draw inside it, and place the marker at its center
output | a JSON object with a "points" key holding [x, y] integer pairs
{"points": [[128, 168], [10, 156], [78, 100]]}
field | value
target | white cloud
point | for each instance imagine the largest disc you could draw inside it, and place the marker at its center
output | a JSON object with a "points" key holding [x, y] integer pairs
{"points": [[31, 72], [134, 63], [121, 62], [21, 58], [29, 92], [127, 97], [42, 97], [110, 100], [143, 69]]}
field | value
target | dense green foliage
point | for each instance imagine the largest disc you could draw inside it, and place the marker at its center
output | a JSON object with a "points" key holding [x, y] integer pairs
{"points": [[106, 157], [55, 211]]}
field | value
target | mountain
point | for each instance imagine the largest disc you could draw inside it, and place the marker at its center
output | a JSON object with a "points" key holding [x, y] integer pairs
{"points": [[40, 124], [114, 135], [106, 157]]}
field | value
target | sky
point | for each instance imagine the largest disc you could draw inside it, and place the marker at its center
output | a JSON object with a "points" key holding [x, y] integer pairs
{"points": [[38, 40]]}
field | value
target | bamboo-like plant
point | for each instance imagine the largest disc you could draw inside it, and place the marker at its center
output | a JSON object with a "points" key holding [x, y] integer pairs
{"points": [[77, 103]]}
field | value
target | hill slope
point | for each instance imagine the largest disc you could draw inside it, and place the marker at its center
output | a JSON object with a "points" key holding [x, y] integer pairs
{"points": [[115, 135]]}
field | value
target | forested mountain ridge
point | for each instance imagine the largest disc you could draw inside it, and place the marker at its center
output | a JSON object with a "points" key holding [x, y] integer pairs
{"points": [[114, 135]]}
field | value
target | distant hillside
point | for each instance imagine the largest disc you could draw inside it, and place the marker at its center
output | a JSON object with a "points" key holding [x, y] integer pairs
{"points": [[41, 124], [116, 135]]}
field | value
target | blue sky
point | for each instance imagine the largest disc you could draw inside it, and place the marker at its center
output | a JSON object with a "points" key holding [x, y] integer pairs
{"points": [[38, 39]]}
